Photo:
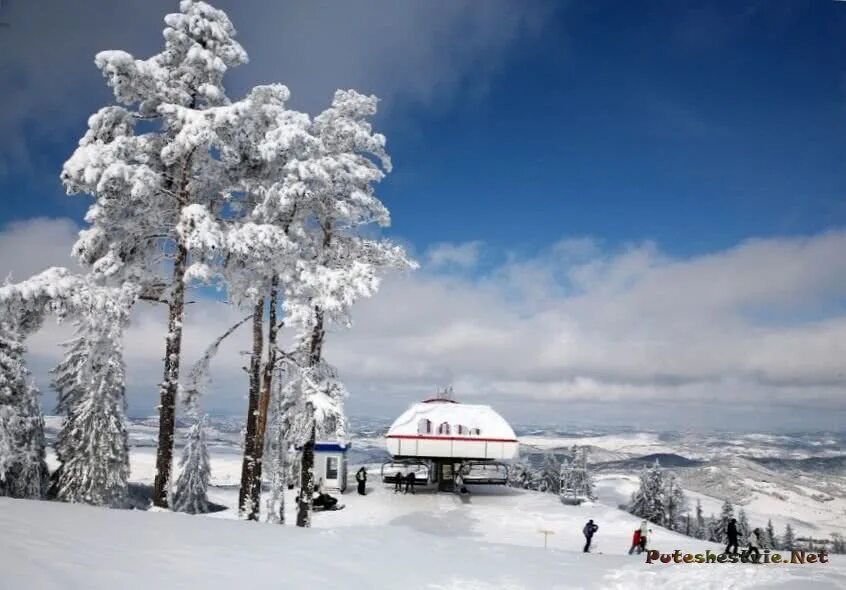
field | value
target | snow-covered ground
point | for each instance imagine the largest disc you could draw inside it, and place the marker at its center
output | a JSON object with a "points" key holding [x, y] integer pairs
{"points": [[490, 539], [382, 540]]}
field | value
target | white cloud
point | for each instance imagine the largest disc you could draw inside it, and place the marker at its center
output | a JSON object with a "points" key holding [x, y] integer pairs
{"points": [[28, 247], [761, 324], [758, 323], [445, 254]]}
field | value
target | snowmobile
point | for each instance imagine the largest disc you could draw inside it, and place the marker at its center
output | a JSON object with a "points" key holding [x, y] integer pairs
{"points": [[323, 502]]}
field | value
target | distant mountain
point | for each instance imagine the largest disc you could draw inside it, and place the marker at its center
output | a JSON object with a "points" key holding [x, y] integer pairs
{"points": [[636, 463], [833, 465]]}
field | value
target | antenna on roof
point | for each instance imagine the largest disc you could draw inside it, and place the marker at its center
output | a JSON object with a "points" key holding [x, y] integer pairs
{"points": [[445, 394]]}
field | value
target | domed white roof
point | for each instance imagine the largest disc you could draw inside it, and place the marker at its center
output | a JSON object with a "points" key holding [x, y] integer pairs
{"points": [[480, 421]]}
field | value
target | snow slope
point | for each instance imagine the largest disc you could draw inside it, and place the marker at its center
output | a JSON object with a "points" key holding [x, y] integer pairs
{"points": [[48, 545]]}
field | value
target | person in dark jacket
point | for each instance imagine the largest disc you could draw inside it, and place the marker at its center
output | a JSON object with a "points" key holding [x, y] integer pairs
{"points": [[361, 478], [732, 534], [398, 479], [589, 531], [409, 482]]}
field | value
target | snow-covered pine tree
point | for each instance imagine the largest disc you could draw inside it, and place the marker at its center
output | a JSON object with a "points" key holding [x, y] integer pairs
{"points": [[549, 476], [699, 528], [770, 539], [143, 183], [674, 502], [585, 476], [23, 471], [576, 480], [566, 483], [838, 543], [519, 476], [743, 524], [712, 528], [251, 247], [340, 265], [190, 494], [92, 445], [647, 501], [721, 525]]}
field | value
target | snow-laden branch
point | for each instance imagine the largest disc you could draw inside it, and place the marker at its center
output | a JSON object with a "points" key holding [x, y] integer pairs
{"points": [[199, 377], [59, 292]]}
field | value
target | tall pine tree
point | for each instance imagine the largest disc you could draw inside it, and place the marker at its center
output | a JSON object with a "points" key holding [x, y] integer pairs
{"points": [[674, 502], [743, 524], [647, 500], [699, 529], [770, 539], [788, 540], [340, 263], [144, 182]]}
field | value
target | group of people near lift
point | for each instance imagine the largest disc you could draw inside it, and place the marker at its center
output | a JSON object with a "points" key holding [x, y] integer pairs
{"points": [[404, 483], [641, 534]]}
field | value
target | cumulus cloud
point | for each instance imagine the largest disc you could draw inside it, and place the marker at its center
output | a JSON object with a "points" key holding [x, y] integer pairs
{"points": [[445, 254], [761, 324]]}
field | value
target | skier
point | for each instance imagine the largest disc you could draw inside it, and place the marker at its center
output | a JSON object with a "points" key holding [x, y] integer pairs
{"points": [[644, 534], [589, 531], [732, 534], [361, 478], [755, 545], [409, 482], [398, 479], [636, 542]]}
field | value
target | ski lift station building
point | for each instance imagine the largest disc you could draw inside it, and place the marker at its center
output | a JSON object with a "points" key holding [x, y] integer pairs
{"points": [[440, 438]]}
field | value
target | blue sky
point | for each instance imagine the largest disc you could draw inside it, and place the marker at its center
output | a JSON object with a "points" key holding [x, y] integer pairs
{"points": [[661, 134], [618, 122]]}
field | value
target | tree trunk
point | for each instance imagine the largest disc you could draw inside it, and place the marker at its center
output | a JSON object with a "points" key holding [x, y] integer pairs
{"points": [[304, 507], [264, 397], [246, 506], [170, 385]]}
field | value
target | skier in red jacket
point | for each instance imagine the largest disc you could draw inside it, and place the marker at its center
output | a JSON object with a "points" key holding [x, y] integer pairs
{"points": [[635, 542]]}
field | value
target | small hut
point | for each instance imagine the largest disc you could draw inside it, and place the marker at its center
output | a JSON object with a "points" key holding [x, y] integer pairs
{"points": [[330, 465]]}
